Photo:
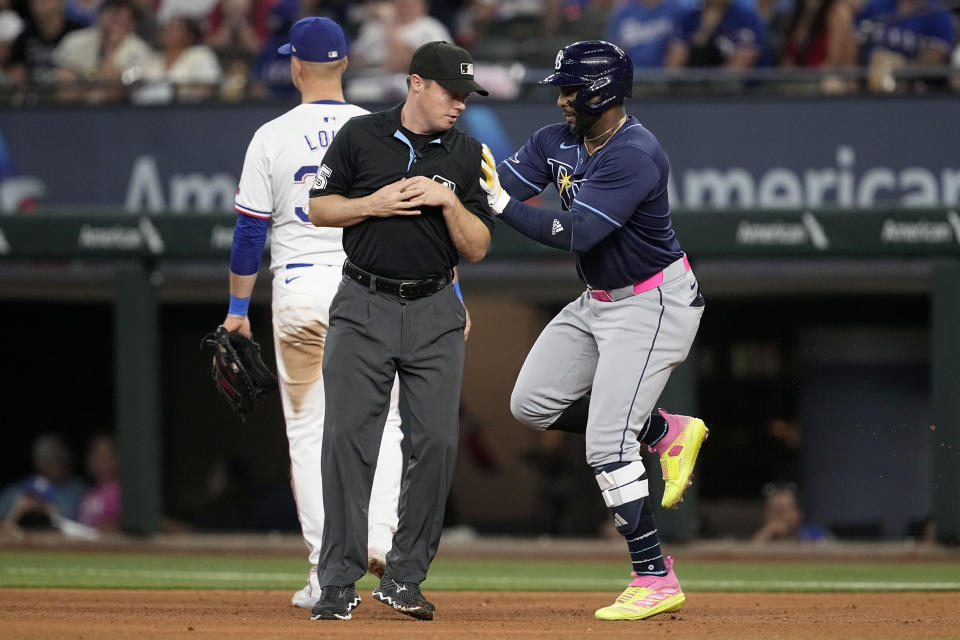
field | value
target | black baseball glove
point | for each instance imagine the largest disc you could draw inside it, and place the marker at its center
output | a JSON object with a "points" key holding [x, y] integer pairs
{"points": [[238, 371]]}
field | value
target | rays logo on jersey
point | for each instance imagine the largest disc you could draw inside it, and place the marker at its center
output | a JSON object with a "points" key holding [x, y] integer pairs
{"points": [[322, 174], [567, 186]]}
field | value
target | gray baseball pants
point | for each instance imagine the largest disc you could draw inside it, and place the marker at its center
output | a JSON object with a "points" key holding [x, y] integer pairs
{"points": [[372, 337], [624, 351]]}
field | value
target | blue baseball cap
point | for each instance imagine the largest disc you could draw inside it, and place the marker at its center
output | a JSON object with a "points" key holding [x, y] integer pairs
{"points": [[316, 40]]}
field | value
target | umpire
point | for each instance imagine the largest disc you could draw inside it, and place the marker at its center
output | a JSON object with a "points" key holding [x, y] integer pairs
{"points": [[405, 186]]}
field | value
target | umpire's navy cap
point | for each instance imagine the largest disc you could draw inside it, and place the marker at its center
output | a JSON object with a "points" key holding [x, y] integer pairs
{"points": [[448, 64], [316, 40]]}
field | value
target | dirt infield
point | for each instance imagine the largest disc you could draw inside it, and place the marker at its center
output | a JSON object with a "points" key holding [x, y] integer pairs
{"points": [[35, 614]]}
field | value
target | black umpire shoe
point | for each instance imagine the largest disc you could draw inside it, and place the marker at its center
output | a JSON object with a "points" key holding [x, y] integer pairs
{"points": [[335, 603], [405, 597]]}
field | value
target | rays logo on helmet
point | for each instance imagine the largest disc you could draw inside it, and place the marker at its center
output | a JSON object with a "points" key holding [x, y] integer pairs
{"points": [[601, 69]]}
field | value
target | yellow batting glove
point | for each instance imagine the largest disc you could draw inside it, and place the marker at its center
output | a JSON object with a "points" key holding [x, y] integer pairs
{"points": [[497, 198]]}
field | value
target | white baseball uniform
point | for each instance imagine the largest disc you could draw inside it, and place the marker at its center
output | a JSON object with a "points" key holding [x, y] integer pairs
{"points": [[306, 261]]}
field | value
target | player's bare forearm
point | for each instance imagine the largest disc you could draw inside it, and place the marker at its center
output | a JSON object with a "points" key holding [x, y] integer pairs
{"points": [[339, 211]]}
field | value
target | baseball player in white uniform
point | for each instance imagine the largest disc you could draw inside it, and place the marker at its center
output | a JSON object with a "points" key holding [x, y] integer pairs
{"points": [[306, 261]]}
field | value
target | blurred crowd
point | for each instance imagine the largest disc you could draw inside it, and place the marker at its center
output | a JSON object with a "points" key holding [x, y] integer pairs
{"points": [[87, 504], [156, 51], [53, 495]]}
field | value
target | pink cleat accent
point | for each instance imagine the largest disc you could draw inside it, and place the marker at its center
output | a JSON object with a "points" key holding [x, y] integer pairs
{"points": [[678, 451], [646, 596]]}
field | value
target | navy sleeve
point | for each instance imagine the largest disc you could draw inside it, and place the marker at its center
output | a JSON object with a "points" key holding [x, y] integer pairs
{"points": [[526, 173], [604, 203], [249, 238], [546, 226], [572, 230]]}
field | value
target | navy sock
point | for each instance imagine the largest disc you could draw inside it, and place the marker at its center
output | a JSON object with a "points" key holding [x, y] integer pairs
{"points": [[644, 545], [654, 430], [635, 522]]}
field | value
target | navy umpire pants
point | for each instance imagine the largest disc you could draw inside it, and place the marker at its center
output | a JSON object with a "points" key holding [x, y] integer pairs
{"points": [[371, 337]]}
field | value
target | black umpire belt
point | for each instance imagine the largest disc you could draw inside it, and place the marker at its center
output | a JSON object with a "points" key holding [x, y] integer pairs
{"points": [[407, 289]]}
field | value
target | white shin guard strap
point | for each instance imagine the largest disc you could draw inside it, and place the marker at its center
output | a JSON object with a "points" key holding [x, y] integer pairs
{"points": [[623, 485], [627, 493]]}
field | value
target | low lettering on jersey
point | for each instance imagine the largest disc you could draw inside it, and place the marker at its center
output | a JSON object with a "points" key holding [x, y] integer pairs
{"points": [[447, 182], [322, 175], [321, 141], [563, 178]]}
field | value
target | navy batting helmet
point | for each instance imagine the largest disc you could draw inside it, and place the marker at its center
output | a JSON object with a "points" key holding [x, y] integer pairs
{"points": [[602, 70]]}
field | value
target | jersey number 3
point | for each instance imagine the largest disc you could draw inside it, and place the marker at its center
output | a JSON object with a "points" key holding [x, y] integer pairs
{"points": [[300, 177]]}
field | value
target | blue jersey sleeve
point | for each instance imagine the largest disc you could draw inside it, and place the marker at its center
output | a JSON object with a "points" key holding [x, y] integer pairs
{"points": [[625, 177], [604, 204], [249, 238], [524, 174]]}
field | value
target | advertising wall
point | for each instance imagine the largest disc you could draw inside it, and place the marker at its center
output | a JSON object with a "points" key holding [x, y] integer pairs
{"points": [[755, 153], [838, 179]]}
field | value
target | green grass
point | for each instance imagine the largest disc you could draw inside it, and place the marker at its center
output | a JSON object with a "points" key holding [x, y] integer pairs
{"points": [[45, 569]]}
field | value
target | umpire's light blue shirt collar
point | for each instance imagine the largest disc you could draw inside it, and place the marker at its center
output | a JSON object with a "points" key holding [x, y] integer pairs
{"points": [[391, 125]]}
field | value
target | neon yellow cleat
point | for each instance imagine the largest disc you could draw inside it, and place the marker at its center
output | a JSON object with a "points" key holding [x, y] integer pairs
{"points": [[678, 454], [646, 596]]}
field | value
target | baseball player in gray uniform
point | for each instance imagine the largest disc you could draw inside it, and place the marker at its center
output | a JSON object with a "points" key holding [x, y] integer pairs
{"points": [[636, 321]]}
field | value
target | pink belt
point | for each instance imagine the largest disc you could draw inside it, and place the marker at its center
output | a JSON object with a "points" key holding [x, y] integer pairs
{"points": [[673, 270]]}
